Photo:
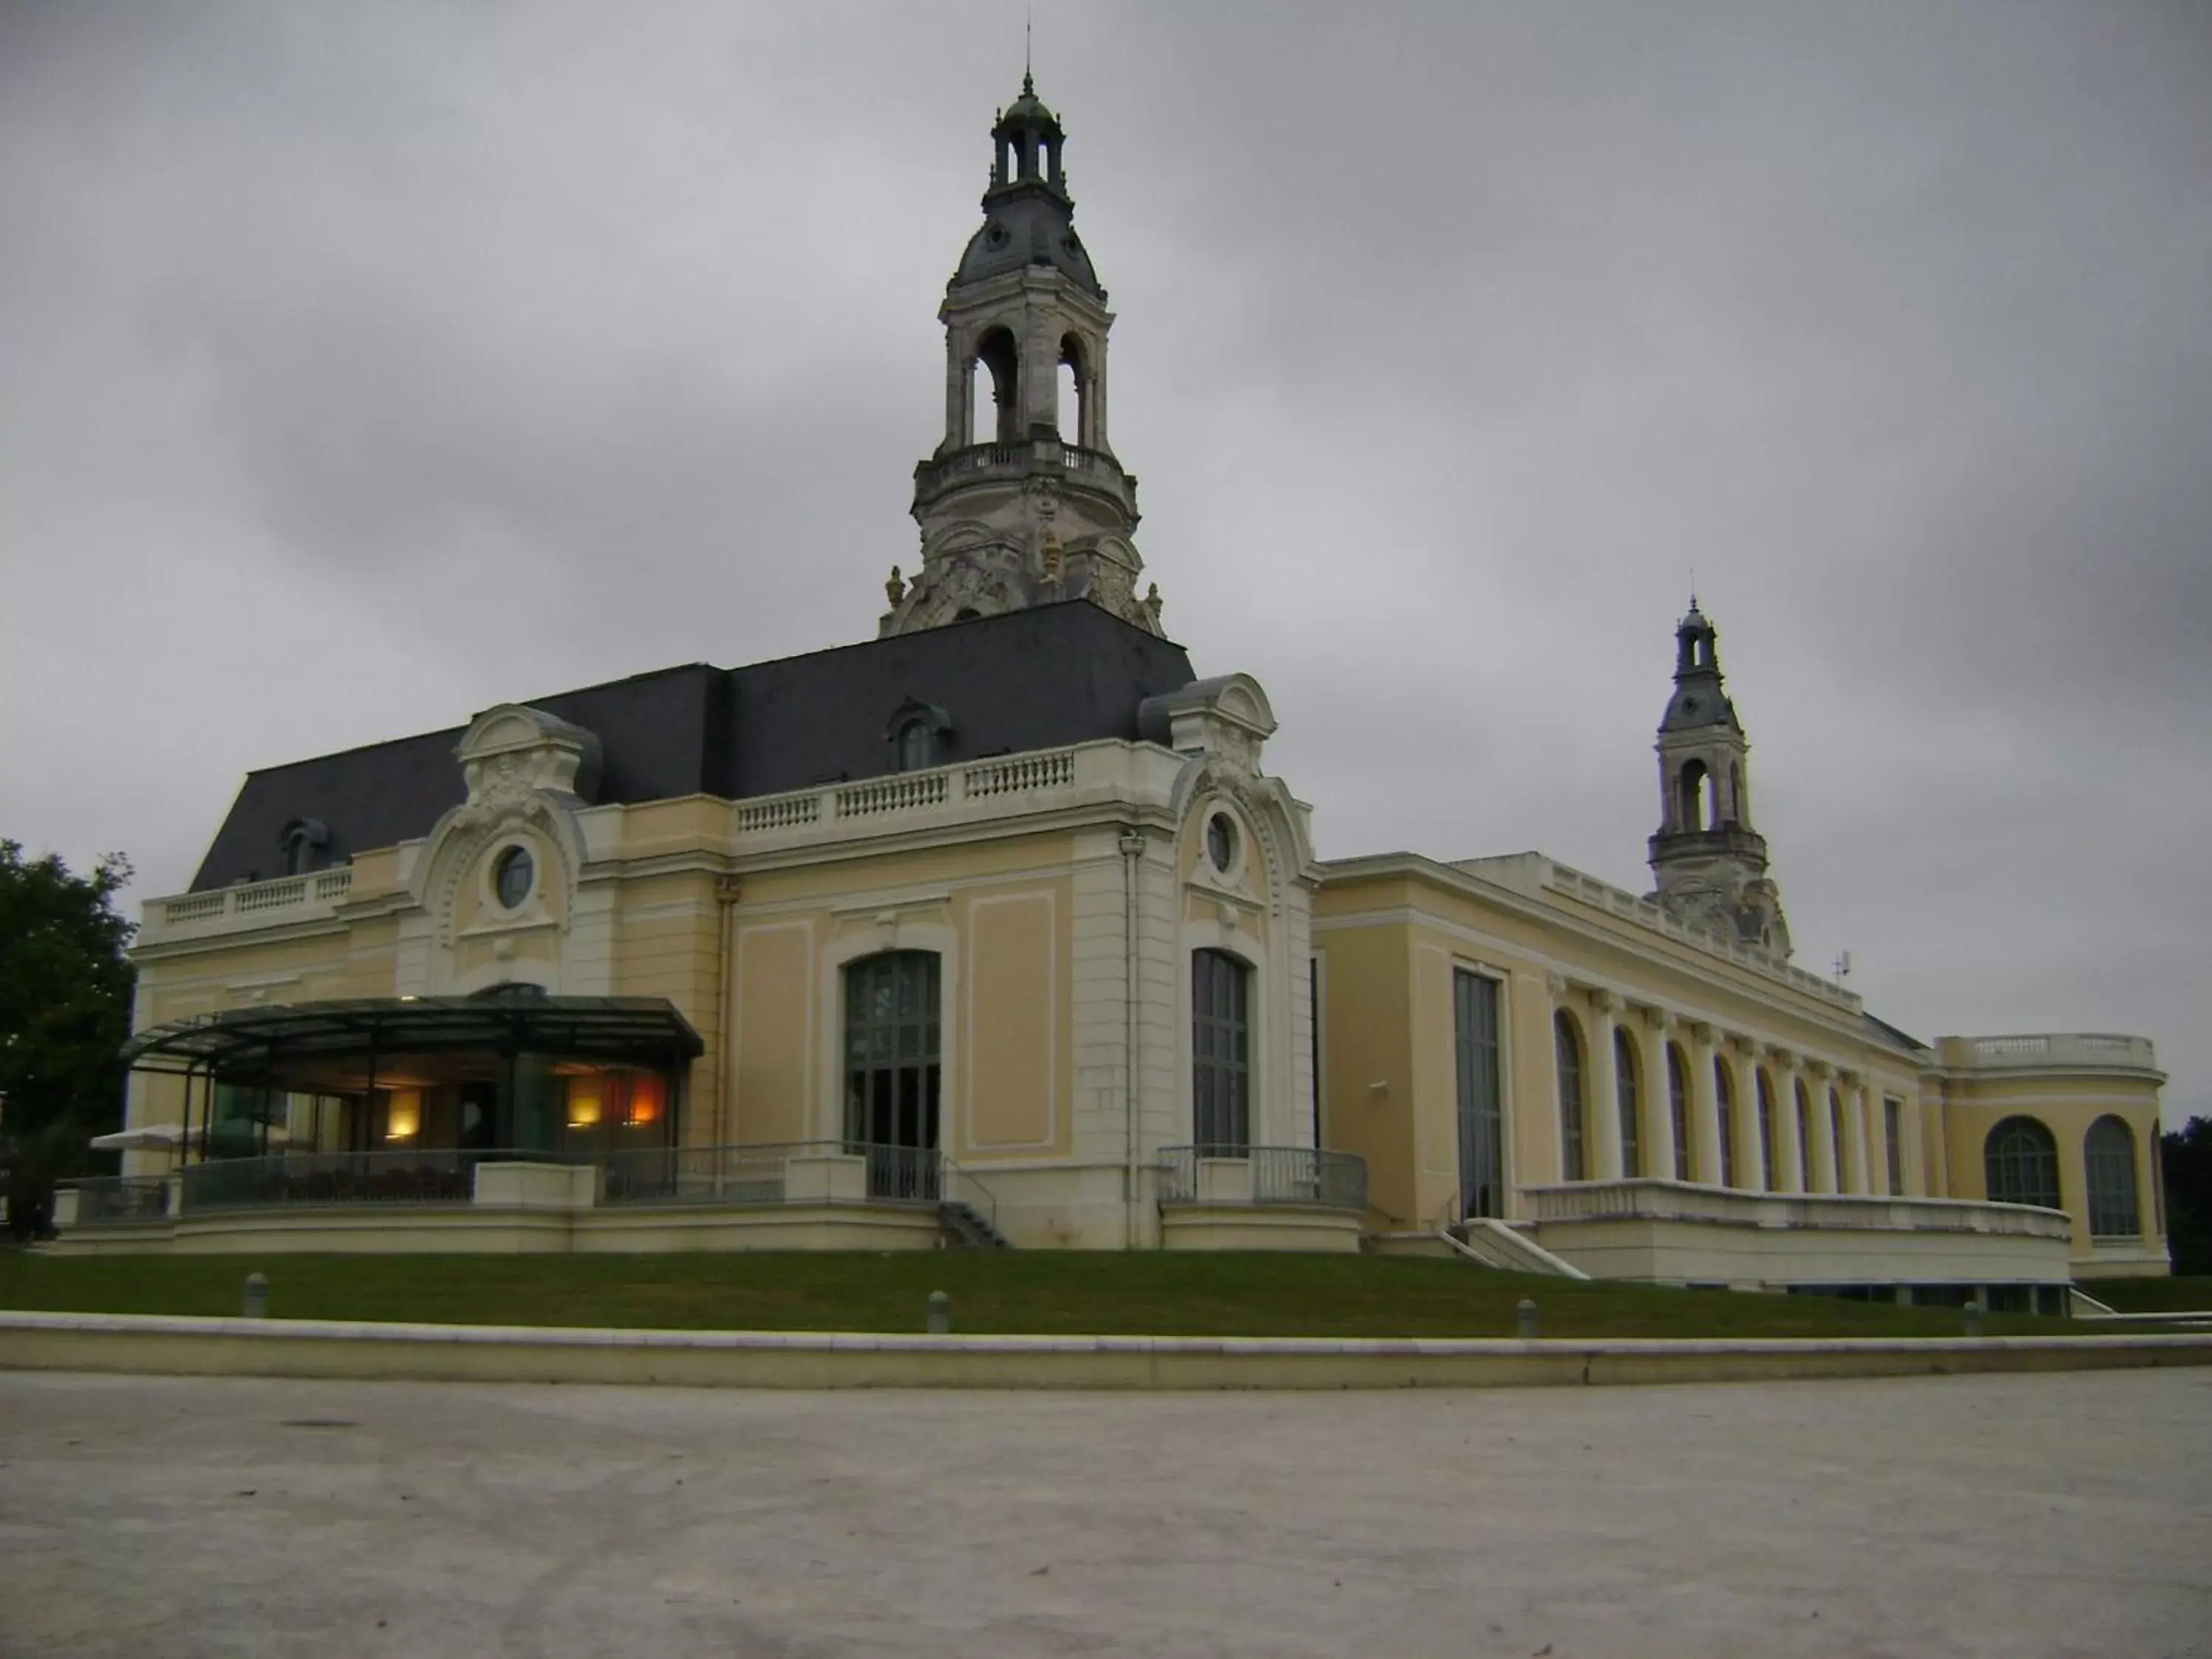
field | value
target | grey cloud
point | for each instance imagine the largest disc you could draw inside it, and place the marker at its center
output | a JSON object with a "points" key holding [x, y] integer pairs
{"points": [[409, 357]]}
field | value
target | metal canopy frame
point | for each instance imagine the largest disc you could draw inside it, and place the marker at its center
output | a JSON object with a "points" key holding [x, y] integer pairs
{"points": [[244, 1044]]}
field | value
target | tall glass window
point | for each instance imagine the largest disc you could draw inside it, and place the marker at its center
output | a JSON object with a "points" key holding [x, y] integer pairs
{"points": [[892, 1050], [1678, 1108], [1568, 1046], [1765, 1091], [1804, 1138], [1836, 1138], [1220, 1048], [2109, 1155], [2021, 1160], [1625, 1086], [1725, 1109], [1893, 1142], [1481, 1129]]}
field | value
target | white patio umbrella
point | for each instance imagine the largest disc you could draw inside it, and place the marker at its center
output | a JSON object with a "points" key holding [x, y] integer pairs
{"points": [[146, 1138]]}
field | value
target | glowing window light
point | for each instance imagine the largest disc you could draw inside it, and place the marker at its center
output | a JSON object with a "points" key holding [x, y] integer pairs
{"points": [[647, 1093], [584, 1102], [403, 1114]]}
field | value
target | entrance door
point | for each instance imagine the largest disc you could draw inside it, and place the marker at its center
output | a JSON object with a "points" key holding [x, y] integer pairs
{"points": [[892, 1071], [1481, 1132]]}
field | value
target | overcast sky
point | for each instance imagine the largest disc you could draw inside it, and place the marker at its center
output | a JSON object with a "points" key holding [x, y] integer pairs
{"points": [[361, 366]]}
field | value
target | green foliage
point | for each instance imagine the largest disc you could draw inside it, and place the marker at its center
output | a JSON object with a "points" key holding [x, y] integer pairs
{"points": [[64, 1012], [2185, 1159]]}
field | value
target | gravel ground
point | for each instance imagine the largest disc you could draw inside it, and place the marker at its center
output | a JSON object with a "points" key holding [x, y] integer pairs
{"points": [[2001, 1515]]}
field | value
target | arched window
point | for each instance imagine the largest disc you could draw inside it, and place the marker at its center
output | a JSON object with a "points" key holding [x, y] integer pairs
{"points": [[1678, 1108], [1567, 1045], [998, 357], [1736, 814], [1804, 1138], [892, 1049], [2110, 1154], [1691, 794], [2022, 1164], [1220, 1049], [305, 845], [1624, 1086], [1725, 1109], [1074, 395], [1764, 1088], [1836, 1138]]}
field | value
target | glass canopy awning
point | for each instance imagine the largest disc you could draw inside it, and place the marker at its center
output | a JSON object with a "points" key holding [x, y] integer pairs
{"points": [[244, 1044]]}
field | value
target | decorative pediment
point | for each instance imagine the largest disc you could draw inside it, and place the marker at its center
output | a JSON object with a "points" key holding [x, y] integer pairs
{"points": [[514, 751], [1228, 717]]}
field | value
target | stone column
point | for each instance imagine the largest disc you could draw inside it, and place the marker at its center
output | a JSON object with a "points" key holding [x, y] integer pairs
{"points": [[1705, 1109], [1602, 1078], [1750, 1167], [1788, 1166], [1855, 1139], [958, 416], [1655, 1099], [1824, 1137]]}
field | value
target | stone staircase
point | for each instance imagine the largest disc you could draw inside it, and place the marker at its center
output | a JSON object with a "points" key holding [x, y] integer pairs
{"points": [[969, 1227]]}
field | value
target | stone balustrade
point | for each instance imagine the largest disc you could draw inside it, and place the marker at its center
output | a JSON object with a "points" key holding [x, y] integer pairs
{"points": [[1680, 1201], [2043, 1051], [1003, 785], [254, 903]]}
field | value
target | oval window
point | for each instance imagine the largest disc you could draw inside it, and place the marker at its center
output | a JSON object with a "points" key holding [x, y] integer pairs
{"points": [[1221, 841], [511, 877]]}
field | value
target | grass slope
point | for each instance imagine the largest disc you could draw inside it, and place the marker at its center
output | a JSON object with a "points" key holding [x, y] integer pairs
{"points": [[1022, 1291], [2152, 1295]]}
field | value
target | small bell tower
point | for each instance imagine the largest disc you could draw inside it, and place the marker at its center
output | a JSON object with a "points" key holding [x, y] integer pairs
{"points": [[1023, 503], [1709, 863]]}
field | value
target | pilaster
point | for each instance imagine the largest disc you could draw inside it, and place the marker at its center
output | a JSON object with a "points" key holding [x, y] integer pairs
{"points": [[1704, 1108], [1658, 1099], [1602, 1141]]}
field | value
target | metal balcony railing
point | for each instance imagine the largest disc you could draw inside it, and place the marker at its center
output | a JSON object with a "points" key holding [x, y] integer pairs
{"points": [[111, 1198], [728, 1175], [1279, 1175], [425, 1175]]}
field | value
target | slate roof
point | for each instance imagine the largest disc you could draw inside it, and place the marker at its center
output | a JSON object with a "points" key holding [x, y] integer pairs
{"points": [[1039, 678]]}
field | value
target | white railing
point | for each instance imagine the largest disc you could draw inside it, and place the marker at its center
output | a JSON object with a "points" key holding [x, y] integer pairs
{"points": [[1680, 1201], [2059, 1049], [307, 894], [896, 794], [945, 788], [1018, 772], [778, 812], [1617, 901]]}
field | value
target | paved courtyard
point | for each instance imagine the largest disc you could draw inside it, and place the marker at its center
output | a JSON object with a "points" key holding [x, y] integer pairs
{"points": [[2005, 1515]]}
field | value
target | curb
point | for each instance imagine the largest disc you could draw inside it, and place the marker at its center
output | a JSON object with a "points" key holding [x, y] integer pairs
{"points": [[173, 1345]]}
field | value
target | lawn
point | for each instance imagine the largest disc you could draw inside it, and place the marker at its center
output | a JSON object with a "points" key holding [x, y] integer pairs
{"points": [[2154, 1295], [1027, 1291]]}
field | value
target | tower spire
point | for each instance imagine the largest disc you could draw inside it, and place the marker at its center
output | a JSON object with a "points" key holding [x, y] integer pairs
{"points": [[1708, 862], [1023, 503]]}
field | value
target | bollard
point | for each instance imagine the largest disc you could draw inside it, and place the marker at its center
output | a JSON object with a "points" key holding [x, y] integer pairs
{"points": [[940, 1313], [256, 1296], [1524, 1319], [1974, 1311]]}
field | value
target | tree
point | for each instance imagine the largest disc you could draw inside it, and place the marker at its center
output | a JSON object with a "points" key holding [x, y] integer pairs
{"points": [[64, 1012], [2186, 1160]]}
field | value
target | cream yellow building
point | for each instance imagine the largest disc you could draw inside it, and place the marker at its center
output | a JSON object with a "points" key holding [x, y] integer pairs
{"points": [[996, 930]]}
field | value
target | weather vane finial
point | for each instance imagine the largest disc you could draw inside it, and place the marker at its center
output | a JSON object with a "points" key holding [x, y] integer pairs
{"points": [[1029, 32]]}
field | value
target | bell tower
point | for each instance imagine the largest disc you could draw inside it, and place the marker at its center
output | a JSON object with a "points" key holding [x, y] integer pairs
{"points": [[1023, 503], [1709, 863]]}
